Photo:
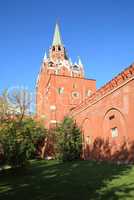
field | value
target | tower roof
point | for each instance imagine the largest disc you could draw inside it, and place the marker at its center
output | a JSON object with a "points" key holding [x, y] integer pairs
{"points": [[57, 36]]}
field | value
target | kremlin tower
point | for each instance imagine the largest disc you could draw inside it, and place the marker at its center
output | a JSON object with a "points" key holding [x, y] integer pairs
{"points": [[61, 85]]}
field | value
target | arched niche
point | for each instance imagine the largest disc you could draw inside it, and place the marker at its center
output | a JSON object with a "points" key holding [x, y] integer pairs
{"points": [[114, 126], [87, 131]]}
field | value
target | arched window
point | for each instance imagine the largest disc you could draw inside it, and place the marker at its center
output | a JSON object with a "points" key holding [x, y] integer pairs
{"points": [[114, 132], [51, 64], [88, 93], [60, 90], [74, 85], [57, 71], [59, 48]]}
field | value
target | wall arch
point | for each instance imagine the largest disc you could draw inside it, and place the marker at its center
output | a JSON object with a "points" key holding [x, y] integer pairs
{"points": [[87, 131], [114, 126], [116, 109]]}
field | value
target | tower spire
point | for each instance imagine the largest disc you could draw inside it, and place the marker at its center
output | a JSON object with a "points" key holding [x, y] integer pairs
{"points": [[57, 36]]}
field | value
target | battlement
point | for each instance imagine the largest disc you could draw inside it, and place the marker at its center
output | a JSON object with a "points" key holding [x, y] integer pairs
{"points": [[108, 87]]}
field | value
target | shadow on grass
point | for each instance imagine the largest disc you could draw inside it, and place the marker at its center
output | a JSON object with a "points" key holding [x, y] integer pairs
{"points": [[87, 180]]}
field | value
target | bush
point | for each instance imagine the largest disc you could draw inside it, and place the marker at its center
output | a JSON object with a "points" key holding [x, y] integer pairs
{"points": [[68, 144], [19, 140]]}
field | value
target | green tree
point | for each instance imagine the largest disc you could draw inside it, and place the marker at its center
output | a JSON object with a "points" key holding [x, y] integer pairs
{"points": [[68, 144], [19, 139]]}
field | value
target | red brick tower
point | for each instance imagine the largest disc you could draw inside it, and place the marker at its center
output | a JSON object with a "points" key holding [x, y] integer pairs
{"points": [[61, 85]]}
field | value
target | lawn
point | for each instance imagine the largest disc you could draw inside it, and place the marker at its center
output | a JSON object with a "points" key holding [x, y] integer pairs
{"points": [[80, 180]]}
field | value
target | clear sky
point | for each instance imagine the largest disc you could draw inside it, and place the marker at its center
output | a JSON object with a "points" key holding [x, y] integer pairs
{"points": [[101, 32]]}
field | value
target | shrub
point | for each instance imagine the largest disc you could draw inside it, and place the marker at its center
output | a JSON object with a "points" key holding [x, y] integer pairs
{"points": [[68, 144], [19, 140]]}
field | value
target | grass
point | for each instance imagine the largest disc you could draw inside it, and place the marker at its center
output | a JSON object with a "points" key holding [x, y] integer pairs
{"points": [[80, 180]]}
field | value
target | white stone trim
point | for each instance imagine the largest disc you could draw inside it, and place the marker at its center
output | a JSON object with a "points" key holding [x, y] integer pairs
{"points": [[52, 107], [53, 121]]}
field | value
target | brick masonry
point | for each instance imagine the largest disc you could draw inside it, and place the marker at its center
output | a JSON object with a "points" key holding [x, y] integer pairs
{"points": [[105, 115]]}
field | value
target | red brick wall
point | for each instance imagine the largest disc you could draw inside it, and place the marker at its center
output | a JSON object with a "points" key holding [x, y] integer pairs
{"points": [[112, 106], [107, 113], [48, 95]]}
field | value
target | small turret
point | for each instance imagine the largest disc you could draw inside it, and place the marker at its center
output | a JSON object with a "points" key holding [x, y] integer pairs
{"points": [[45, 56], [79, 62]]}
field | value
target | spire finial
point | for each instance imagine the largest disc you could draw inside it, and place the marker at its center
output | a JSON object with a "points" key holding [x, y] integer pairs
{"points": [[57, 37]]}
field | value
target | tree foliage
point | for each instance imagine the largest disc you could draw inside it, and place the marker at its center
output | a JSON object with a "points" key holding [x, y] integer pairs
{"points": [[18, 140], [68, 143]]}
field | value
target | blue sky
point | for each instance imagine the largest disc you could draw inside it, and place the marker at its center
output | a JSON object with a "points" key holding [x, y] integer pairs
{"points": [[101, 32]]}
